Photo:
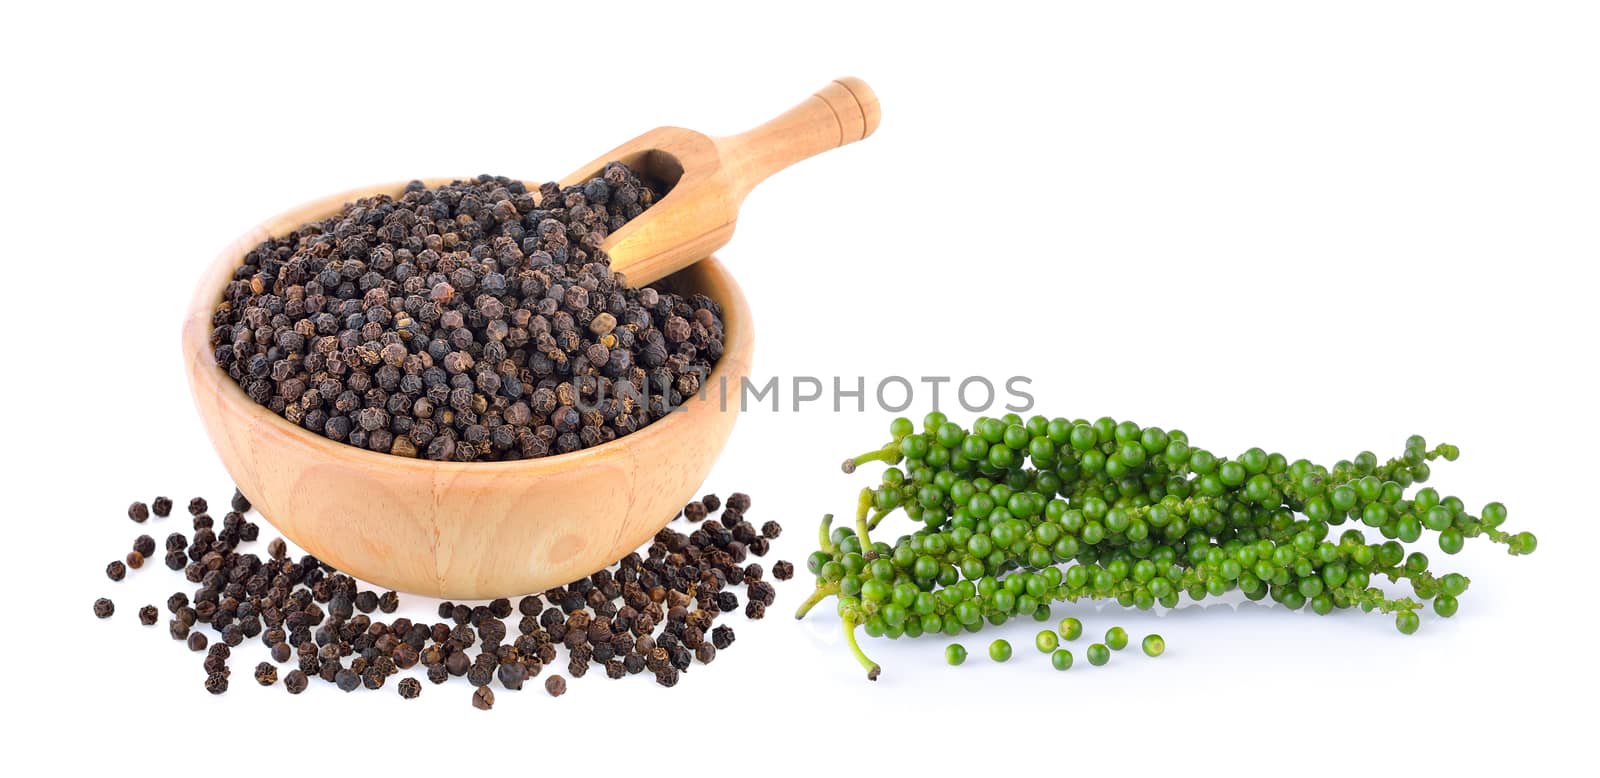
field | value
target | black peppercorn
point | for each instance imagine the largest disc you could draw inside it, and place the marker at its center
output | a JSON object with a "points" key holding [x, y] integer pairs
{"points": [[217, 683], [437, 674], [138, 511], [347, 680], [512, 675], [197, 641], [667, 676], [410, 688], [116, 570], [145, 545], [197, 506], [555, 685], [148, 615], [483, 698], [295, 681], [266, 674], [705, 652], [239, 502], [161, 506], [783, 570], [103, 608]]}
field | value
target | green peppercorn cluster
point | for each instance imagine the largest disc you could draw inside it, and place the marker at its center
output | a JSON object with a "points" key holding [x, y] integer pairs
{"points": [[1016, 514]]}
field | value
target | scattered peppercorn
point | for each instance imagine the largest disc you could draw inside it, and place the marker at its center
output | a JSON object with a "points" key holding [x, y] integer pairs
{"points": [[239, 502], [134, 560], [655, 609], [783, 570], [103, 608], [197, 506], [138, 511], [161, 506], [266, 674], [116, 570], [483, 698]]}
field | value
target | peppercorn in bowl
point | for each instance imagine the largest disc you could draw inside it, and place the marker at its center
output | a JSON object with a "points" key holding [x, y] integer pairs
{"points": [[492, 510]]}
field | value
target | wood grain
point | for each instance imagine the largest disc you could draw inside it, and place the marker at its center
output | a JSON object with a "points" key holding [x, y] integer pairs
{"points": [[710, 177], [462, 530]]}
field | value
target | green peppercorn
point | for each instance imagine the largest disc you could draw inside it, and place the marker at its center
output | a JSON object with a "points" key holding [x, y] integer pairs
{"points": [[1061, 659], [1071, 628], [1000, 651], [1098, 654], [1153, 645], [1117, 638], [955, 654], [1046, 641]]}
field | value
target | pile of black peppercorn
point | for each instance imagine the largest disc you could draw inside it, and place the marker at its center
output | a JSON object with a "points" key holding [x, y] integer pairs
{"points": [[654, 611], [470, 322]]}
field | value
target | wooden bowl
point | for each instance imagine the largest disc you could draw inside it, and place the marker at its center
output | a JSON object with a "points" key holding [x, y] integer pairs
{"points": [[462, 530]]}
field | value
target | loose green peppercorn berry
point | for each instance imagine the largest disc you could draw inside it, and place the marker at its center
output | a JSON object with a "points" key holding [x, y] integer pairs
{"points": [[1046, 641], [1407, 622], [955, 654], [1061, 659], [1071, 628], [1000, 651], [1098, 654], [1117, 638], [1153, 645]]}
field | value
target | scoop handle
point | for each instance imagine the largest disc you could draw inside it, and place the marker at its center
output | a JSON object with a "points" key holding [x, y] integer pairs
{"points": [[844, 111]]}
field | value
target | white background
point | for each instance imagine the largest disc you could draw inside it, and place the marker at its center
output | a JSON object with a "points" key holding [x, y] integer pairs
{"points": [[1316, 228]]}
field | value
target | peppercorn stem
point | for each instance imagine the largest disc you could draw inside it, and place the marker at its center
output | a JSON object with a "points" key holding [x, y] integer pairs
{"points": [[824, 538], [889, 453], [822, 592], [863, 505], [877, 517], [855, 648]]}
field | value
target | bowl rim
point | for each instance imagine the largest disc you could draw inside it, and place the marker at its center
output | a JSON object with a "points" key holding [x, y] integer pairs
{"points": [[198, 354]]}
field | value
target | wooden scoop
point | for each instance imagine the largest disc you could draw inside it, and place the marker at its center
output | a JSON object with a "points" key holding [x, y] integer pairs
{"points": [[707, 178]]}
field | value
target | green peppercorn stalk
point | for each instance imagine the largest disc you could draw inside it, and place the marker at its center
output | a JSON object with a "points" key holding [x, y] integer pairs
{"points": [[1015, 515]]}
